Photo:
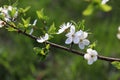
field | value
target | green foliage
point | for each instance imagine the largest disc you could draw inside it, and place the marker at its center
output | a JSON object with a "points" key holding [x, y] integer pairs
{"points": [[79, 25], [42, 52], [116, 64], [93, 45], [11, 29], [96, 5], [106, 7], [26, 22], [52, 29], [41, 15], [23, 10]]}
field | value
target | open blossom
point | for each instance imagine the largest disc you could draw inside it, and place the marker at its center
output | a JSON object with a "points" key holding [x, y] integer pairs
{"points": [[70, 36], [2, 23], [91, 56], [80, 39], [5, 11], [43, 39], [104, 1], [64, 27]]}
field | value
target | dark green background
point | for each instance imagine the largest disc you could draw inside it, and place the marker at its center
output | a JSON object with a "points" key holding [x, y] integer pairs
{"points": [[19, 62]]}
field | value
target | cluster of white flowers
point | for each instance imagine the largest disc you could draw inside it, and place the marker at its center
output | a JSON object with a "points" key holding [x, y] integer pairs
{"points": [[118, 35], [43, 39], [104, 1], [9, 13], [80, 38]]}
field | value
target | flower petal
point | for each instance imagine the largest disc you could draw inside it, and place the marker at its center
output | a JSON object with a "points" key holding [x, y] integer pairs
{"points": [[79, 33], [118, 35], [81, 45], [76, 40], [72, 29], [68, 40], [87, 56], [94, 58], [85, 35], [46, 37], [90, 62], [86, 42], [40, 40]]}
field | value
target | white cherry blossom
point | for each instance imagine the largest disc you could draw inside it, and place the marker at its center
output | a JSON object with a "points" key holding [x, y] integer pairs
{"points": [[80, 39], [91, 56], [5, 12], [104, 1], [2, 23], [63, 27], [70, 36], [43, 39]]}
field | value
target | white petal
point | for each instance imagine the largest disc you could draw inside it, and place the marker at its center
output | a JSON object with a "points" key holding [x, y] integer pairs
{"points": [[79, 33], [95, 58], [35, 21], [118, 35], [86, 42], [40, 40], [31, 31], [85, 35], [72, 29], [94, 52], [104, 1], [89, 50], [46, 37], [68, 40], [76, 40], [90, 62], [69, 34], [119, 28], [81, 45], [87, 56], [43, 39], [60, 31]]}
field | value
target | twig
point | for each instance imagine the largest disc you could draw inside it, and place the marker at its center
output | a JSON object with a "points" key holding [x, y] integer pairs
{"points": [[109, 59]]}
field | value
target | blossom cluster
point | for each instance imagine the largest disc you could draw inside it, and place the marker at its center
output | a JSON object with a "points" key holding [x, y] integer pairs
{"points": [[8, 13], [80, 38]]}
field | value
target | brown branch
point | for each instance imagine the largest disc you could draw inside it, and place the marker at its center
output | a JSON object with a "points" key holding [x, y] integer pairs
{"points": [[110, 59]]}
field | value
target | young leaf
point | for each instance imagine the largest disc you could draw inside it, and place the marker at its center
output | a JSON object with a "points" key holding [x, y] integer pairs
{"points": [[11, 29], [26, 22], [106, 7], [52, 29], [116, 64], [88, 11], [41, 15]]}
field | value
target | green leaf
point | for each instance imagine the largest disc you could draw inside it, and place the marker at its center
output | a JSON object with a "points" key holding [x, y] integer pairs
{"points": [[11, 29], [106, 7], [23, 10], [88, 11], [81, 25], [52, 29], [26, 9], [47, 46], [116, 64], [92, 45], [41, 15], [26, 22]]}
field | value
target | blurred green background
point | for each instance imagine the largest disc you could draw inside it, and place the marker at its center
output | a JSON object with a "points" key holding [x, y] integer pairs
{"points": [[18, 61]]}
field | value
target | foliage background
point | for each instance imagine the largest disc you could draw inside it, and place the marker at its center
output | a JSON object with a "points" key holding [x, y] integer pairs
{"points": [[19, 62]]}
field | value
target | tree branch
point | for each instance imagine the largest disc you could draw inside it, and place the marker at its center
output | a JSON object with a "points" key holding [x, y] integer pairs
{"points": [[109, 59]]}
